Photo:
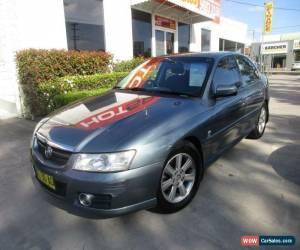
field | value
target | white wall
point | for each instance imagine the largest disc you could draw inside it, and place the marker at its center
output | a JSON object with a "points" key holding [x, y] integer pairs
{"points": [[226, 29], [8, 43], [41, 24], [26, 24], [118, 28]]}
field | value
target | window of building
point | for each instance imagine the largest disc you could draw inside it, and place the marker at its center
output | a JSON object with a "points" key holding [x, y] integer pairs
{"points": [[141, 33], [160, 42], [297, 55], [221, 44], [85, 24], [278, 61], [183, 37], [205, 40], [240, 48], [227, 45], [247, 69], [227, 72], [170, 42]]}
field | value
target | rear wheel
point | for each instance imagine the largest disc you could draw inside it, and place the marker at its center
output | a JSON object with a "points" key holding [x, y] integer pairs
{"points": [[180, 179], [260, 124]]}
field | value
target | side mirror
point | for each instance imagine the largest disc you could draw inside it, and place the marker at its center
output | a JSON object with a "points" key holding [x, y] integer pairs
{"points": [[224, 90]]}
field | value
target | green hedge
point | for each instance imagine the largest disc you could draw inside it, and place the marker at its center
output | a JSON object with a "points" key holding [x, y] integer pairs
{"points": [[127, 65], [64, 99], [47, 92], [37, 66], [44, 74]]}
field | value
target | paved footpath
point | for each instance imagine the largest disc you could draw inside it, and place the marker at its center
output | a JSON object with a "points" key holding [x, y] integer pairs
{"points": [[253, 189]]}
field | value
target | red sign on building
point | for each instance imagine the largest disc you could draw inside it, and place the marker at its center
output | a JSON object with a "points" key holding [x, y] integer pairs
{"points": [[165, 22]]}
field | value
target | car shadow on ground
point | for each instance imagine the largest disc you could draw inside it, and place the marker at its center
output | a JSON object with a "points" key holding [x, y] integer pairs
{"points": [[286, 162]]}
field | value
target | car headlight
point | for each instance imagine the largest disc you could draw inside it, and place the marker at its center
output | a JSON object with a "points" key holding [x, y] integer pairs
{"points": [[38, 125], [107, 162]]}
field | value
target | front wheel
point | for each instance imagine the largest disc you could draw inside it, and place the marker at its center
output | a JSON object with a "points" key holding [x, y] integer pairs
{"points": [[180, 179], [260, 126]]}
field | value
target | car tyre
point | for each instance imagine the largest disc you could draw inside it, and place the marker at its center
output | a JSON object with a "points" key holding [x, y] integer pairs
{"points": [[261, 122], [180, 178]]}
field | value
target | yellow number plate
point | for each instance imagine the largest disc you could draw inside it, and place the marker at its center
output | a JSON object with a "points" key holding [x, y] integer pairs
{"points": [[46, 179]]}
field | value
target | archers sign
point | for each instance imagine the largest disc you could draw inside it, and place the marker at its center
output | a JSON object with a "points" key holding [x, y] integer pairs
{"points": [[274, 48]]}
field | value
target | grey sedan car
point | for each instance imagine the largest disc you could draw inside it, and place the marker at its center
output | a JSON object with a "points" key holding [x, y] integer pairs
{"points": [[146, 143]]}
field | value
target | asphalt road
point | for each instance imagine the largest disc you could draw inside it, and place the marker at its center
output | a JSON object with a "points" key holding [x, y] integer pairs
{"points": [[254, 189]]}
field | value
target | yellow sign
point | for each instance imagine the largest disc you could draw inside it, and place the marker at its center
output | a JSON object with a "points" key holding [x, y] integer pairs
{"points": [[268, 17], [196, 3]]}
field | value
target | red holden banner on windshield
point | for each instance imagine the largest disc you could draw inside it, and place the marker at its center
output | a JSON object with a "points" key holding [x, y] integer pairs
{"points": [[116, 112], [142, 73]]}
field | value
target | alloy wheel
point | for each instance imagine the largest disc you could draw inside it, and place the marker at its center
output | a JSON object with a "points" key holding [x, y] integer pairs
{"points": [[262, 120], [178, 178]]}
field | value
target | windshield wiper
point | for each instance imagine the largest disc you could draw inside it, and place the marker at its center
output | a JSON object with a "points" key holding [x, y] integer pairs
{"points": [[173, 93], [131, 89], [162, 91], [137, 89]]}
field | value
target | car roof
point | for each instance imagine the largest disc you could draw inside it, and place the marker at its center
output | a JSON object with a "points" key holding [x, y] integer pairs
{"points": [[213, 55]]}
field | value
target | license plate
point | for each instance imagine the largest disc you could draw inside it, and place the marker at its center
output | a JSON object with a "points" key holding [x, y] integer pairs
{"points": [[45, 179]]}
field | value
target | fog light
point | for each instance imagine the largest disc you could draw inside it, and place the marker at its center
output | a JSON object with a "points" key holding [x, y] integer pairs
{"points": [[85, 199]]}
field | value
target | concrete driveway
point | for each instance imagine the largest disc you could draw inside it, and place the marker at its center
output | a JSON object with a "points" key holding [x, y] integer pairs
{"points": [[252, 190]]}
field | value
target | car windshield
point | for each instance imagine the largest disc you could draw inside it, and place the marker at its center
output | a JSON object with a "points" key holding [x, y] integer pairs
{"points": [[180, 76]]}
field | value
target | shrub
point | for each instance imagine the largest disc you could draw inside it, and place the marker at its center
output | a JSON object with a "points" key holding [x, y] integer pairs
{"points": [[37, 66], [64, 99], [127, 65], [47, 92]]}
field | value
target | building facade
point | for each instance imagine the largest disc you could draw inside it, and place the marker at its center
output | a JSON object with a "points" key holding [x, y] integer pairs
{"points": [[124, 28], [277, 52]]}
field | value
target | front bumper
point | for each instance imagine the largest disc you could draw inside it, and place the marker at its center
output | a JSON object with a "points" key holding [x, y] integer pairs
{"points": [[115, 193]]}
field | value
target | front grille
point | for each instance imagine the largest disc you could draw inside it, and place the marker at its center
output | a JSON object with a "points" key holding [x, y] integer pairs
{"points": [[59, 157]]}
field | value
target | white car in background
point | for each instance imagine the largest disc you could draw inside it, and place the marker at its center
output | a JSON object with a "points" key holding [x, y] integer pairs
{"points": [[296, 66]]}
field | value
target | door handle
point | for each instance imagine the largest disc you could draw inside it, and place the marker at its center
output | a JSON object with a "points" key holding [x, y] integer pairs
{"points": [[243, 102]]}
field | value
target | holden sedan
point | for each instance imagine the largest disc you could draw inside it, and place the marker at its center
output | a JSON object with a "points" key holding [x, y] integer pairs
{"points": [[146, 143]]}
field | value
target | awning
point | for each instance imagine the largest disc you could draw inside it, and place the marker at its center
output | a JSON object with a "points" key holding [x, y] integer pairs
{"points": [[190, 11]]}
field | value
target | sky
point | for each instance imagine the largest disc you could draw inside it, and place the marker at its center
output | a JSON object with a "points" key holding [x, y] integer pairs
{"points": [[254, 16]]}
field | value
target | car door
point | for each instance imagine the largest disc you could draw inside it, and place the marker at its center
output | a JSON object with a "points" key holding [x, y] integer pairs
{"points": [[253, 91], [223, 126]]}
